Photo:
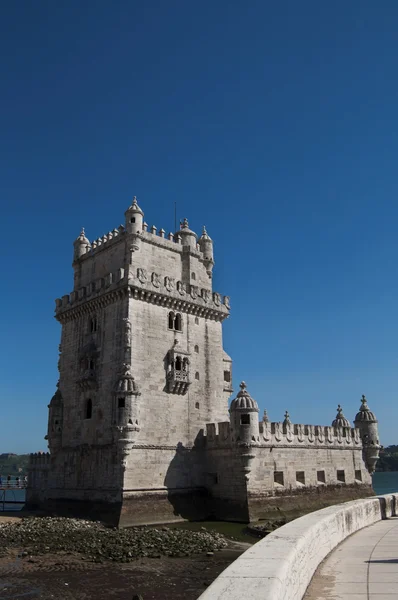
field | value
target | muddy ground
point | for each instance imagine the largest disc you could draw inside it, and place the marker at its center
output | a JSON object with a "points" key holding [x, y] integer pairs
{"points": [[68, 577]]}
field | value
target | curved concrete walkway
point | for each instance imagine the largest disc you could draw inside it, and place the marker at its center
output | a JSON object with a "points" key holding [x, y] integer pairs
{"points": [[363, 567]]}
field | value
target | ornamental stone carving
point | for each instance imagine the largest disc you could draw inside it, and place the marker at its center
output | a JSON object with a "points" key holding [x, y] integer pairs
{"points": [[320, 434], [329, 434], [300, 432], [181, 287], [266, 431], [205, 295], [142, 275], [169, 283], [127, 333], [194, 291], [227, 302], [155, 280], [311, 433], [216, 298], [278, 431]]}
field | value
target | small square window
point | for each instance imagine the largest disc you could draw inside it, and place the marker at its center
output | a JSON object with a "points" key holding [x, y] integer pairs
{"points": [[341, 475], [245, 419], [320, 476]]}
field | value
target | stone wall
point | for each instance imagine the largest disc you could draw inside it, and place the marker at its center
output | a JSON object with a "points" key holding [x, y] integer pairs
{"points": [[280, 566]]}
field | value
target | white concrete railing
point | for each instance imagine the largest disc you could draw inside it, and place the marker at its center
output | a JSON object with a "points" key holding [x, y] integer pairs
{"points": [[281, 566]]}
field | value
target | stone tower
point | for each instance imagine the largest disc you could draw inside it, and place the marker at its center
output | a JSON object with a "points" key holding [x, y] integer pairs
{"points": [[142, 366]]}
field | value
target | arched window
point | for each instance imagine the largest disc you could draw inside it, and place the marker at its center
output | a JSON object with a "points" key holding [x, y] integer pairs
{"points": [[193, 275], [185, 364], [178, 322], [178, 364], [197, 349], [93, 324], [197, 375], [196, 321], [89, 408], [171, 320], [196, 404]]}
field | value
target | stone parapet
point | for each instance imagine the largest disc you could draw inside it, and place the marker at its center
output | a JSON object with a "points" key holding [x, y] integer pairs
{"points": [[290, 435], [141, 285], [281, 566]]}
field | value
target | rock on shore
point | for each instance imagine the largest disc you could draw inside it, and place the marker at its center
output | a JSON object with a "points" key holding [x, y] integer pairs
{"points": [[42, 535]]}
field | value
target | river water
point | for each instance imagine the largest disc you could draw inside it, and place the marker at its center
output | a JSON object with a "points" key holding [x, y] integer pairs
{"points": [[383, 483]]}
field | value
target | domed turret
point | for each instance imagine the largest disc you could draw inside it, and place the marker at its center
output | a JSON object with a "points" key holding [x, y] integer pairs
{"points": [[206, 247], [340, 420], [55, 421], [244, 417], [366, 422], [188, 237], [81, 244], [134, 218]]}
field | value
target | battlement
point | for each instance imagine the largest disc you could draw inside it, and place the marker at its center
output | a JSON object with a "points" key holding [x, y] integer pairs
{"points": [[171, 241], [281, 434], [39, 460], [147, 286]]}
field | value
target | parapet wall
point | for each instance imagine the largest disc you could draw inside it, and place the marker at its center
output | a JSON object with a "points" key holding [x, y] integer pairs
{"points": [[279, 434], [281, 566]]}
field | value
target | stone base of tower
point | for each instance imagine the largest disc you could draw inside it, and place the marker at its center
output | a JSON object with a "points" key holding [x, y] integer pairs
{"points": [[296, 503]]}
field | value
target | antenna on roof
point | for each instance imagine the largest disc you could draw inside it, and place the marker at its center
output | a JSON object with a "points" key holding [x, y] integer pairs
{"points": [[175, 216]]}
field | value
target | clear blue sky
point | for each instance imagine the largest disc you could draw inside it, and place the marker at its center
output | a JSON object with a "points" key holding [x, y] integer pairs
{"points": [[274, 123]]}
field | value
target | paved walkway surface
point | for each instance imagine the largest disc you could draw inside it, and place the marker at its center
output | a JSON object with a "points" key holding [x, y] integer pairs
{"points": [[363, 567]]}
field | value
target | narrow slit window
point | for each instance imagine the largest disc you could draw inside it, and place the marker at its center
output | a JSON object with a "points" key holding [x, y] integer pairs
{"points": [[196, 349], [89, 408], [197, 375], [358, 475]]}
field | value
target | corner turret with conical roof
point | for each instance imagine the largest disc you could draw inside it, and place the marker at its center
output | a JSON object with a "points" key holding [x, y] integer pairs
{"points": [[81, 245], [244, 417], [206, 247], [366, 422], [134, 218]]}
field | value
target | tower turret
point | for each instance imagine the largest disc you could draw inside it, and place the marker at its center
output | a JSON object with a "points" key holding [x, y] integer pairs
{"points": [[244, 417], [188, 237], [134, 218], [366, 422], [55, 421], [340, 420], [206, 247], [80, 245]]}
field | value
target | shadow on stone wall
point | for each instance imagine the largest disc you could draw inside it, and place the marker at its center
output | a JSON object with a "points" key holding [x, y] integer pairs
{"points": [[189, 499]]}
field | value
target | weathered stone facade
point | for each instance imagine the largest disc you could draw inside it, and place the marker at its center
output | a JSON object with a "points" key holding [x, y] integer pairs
{"points": [[139, 429]]}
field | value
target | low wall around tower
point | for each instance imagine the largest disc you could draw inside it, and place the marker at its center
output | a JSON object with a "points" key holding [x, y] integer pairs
{"points": [[281, 566]]}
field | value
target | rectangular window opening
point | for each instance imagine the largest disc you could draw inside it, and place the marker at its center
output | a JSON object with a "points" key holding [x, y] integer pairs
{"points": [[121, 402], [300, 477], [245, 419], [341, 475], [358, 474], [278, 478], [320, 476], [227, 376]]}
